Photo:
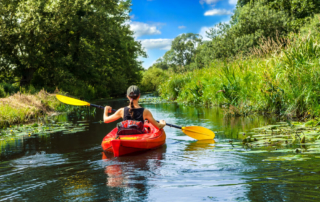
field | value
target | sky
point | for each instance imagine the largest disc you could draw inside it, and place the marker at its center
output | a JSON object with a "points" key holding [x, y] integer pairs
{"points": [[157, 22]]}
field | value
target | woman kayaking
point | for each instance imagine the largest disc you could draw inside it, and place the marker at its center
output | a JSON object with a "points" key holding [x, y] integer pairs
{"points": [[133, 115]]}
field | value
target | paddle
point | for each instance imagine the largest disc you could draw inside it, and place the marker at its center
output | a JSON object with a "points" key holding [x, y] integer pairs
{"points": [[196, 132]]}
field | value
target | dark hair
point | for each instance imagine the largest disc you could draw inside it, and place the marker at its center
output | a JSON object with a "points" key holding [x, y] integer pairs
{"points": [[131, 105]]}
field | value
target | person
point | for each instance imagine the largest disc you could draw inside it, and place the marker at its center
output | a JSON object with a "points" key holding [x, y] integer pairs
{"points": [[133, 112]]}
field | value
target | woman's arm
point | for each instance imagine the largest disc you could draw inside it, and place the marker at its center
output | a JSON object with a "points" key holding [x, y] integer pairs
{"points": [[117, 115], [147, 115]]}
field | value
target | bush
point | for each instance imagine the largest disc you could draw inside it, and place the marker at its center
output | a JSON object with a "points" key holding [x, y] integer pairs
{"points": [[286, 83], [152, 79], [7, 89], [2, 92]]}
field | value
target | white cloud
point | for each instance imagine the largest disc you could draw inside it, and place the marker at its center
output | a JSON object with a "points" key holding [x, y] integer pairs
{"points": [[218, 12], [142, 29], [182, 27], [209, 1], [233, 2], [163, 44]]}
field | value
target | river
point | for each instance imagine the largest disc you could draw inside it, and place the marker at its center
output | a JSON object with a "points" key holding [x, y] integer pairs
{"points": [[71, 167]]}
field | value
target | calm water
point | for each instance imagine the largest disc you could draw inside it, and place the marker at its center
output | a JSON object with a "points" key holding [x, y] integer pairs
{"points": [[71, 167]]}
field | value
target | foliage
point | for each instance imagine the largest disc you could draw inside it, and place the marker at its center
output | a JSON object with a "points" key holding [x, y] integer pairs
{"points": [[182, 53], [249, 24], [7, 89], [285, 83], [295, 8], [184, 47], [255, 22], [152, 78], [20, 108], [82, 47]]}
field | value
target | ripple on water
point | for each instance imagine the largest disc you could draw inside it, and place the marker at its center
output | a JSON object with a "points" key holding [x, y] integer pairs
{"points": [[39, 159]]}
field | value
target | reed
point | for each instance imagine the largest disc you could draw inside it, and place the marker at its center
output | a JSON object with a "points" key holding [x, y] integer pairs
{"points": [[280, 76]]}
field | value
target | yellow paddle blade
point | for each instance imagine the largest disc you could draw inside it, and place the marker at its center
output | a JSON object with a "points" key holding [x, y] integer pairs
{"points": [[198, 132], [72, 101]]}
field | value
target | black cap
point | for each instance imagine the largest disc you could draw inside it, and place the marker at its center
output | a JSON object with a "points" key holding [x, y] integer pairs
{"points": [[133, 91]]}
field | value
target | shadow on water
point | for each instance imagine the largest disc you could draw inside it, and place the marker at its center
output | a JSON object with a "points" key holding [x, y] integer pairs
{"points": [[68, 166]]}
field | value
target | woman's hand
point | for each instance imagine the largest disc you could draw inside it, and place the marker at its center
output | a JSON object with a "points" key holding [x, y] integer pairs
{"points": [[108, 109], [162, 123], [117, 115]]}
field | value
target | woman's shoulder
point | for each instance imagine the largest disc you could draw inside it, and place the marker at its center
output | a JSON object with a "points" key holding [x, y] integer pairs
{"points": [[121, 109], [146, 111]]}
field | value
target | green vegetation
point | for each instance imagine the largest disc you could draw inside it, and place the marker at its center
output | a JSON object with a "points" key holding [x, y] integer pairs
{"points": [[78, 46], [300, 141], [9, 134], [20, 108], [265, 60], [152, 79]]}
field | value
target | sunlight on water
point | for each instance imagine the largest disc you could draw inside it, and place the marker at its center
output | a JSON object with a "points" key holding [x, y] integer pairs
{"points": [[39, 159], [71, 166]]}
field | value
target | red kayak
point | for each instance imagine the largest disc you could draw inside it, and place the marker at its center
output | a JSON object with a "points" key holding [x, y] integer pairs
{"points": [[127, 144]]}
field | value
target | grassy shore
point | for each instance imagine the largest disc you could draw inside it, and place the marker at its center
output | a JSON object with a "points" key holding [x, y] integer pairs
{"points": [[20, 108], [280, 77]]}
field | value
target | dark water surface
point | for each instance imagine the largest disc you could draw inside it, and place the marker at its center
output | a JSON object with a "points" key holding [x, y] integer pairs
{"points": [[70, 167]]}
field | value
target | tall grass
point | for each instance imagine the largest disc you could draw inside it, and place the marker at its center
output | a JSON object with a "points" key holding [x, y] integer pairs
{"points": [[285, 82], [20, 108]]}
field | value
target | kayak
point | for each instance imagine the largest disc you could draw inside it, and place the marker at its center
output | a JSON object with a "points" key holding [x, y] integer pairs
{"points": [[126, 144]]}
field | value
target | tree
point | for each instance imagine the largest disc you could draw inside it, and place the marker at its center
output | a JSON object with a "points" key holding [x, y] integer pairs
{"points": [[70, 44], [184, 48], [165, 62], [296, 9], [152, 78]]}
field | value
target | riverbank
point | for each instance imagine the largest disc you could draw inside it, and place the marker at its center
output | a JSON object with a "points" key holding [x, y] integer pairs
{"points": [[20, 108], [279, 77]]}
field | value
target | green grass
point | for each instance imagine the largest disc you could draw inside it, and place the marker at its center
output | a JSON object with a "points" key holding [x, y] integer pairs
{"points": [[285, 82], [20, 108]]}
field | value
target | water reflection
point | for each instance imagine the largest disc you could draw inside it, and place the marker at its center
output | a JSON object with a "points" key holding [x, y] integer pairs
{"points": [[133, 172], [68, 167], [200, 145], [118, 168]]}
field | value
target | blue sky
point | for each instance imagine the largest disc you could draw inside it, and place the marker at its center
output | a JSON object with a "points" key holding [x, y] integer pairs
{"points": [[157, 22]]}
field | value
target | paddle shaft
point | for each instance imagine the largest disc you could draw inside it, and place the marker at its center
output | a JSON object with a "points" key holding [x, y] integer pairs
{"points": [[196, 132], [113, 110]]}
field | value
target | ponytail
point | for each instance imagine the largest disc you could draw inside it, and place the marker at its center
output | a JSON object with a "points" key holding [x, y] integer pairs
{"points": [[131, 108], [131, 112]]}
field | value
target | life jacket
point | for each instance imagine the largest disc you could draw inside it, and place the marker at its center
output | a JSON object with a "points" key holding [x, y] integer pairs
{"points": [[130, 127]]}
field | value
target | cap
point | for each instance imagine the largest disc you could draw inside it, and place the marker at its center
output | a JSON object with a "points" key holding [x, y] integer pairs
{"points": [[133, 91]]}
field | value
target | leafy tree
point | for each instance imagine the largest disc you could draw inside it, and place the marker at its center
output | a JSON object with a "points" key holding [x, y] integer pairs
{"points": [[75, 45], [297, 9], [249, 24], [152, 78], [166, 62], [184, 48]]}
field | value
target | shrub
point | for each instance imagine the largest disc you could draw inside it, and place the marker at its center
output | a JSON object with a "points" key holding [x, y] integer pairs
{"points": [[2, 91], [152, 79]]}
